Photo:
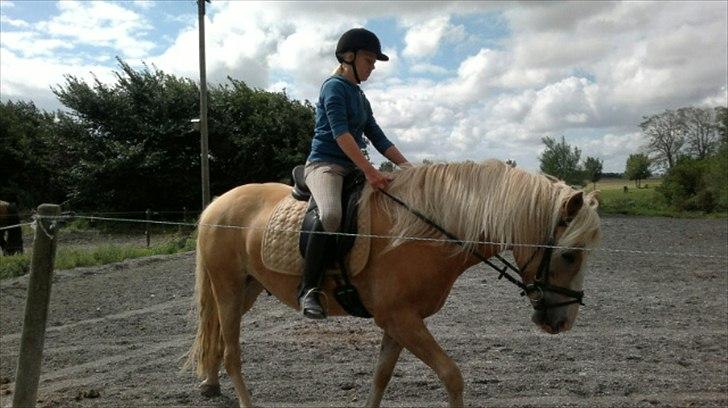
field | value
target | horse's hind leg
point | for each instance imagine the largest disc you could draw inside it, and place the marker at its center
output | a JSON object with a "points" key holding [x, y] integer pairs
{"points": [[388, 356], [230, 326], [210, 387]]}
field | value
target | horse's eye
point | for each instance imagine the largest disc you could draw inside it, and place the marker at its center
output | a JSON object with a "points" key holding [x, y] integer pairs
{"points": [[568, 257]]}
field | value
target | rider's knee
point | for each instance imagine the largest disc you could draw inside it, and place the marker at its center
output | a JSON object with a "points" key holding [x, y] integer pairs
{"points": [[331, 221]]}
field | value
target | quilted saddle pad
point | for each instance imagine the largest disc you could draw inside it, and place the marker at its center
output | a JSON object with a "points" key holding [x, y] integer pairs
{"points": [[280, 251]]}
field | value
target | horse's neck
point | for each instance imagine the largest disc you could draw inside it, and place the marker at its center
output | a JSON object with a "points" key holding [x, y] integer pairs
{"points": [[508, 218]]}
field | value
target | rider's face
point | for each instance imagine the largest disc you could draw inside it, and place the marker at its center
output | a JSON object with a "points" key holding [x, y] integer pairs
{"points": [[365, 61]]}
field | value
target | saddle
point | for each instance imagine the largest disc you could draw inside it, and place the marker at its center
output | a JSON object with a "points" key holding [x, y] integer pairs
{"points": [[351, 191], [345, 293]]}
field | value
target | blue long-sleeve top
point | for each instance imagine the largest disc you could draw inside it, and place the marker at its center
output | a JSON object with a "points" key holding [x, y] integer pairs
{"points": [[342, 107]]}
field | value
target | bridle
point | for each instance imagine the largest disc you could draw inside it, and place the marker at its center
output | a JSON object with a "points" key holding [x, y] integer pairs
{"points": [[540, 284]]}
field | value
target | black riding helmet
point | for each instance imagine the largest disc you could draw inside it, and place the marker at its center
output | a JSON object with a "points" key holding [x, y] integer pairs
{"points": [[359, 39], [355, 40]]}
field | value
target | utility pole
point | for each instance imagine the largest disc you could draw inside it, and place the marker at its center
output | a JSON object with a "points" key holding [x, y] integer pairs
{"points": [[204, 162]]}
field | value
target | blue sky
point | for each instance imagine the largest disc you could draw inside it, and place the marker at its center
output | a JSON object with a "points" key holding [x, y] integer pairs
{"points": [[466, 80]]}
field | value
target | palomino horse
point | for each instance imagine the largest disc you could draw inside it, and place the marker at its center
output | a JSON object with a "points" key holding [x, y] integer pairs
{"points": [[404, 281]]}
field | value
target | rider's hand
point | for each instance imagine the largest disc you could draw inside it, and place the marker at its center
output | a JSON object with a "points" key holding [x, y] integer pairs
{"points": [[377, 179]]}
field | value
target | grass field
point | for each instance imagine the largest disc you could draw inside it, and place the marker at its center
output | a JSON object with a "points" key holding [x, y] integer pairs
{"points": [[96, 253], [645, 201], [614, 199], [618, 184]]}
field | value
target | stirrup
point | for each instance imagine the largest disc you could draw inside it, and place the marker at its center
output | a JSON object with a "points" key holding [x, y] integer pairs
{"points": [[314, 315]]}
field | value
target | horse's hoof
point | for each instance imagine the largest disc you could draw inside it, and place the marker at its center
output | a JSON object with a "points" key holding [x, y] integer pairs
{"points": [[210, 390]]}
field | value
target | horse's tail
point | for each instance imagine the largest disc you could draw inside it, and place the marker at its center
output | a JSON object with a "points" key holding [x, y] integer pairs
{"points": [[208, 342]]}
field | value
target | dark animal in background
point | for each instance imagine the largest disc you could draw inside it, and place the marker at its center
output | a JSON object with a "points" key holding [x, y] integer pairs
{"points": [[11, 239]]}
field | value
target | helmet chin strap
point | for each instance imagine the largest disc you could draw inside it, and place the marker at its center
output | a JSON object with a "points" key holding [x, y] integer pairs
{"points": [[353, 66]]}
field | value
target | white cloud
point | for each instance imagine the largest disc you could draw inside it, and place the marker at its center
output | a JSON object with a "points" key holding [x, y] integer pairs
{"points": [[594, 75], [566, 104], [13, 22], [611, 148], [6, 4], [100, 23], [144, 4], [31, 78], [425, 68], [423, 39], [248, 41], [40, 54], [279, 86]]}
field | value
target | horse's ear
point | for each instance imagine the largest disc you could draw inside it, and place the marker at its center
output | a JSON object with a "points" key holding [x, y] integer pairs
{"points": [[572, 205]]}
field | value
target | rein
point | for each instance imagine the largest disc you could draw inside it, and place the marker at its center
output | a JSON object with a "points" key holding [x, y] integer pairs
{"points": [[539, 285]]}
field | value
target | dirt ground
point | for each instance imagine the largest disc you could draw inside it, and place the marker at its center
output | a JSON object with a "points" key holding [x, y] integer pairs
{"points": [[654, 333]]}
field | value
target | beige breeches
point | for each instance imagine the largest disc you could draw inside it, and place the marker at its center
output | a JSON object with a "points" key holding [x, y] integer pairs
{"points": [[325, 181]]}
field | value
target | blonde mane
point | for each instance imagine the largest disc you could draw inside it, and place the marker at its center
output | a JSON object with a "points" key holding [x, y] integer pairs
{"points": [[489, 200]]}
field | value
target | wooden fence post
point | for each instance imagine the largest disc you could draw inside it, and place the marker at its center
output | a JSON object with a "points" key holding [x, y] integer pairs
{"points": [[36, 308]]}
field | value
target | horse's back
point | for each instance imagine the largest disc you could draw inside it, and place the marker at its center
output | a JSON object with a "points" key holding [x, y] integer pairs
{"points": [[244, 205]]}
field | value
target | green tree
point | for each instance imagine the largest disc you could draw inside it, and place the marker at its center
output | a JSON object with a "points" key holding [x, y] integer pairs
{"points": [[721, 123], [665, 134], [593, 169], [138, 150], [638, 168], [716, 177], [561, 160], [32, 155], [701, 135], [387, 166], [255, 136]]}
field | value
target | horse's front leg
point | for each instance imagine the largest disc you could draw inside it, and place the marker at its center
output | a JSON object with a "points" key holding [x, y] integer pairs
{"points": [[388, 356], [410, 331]]}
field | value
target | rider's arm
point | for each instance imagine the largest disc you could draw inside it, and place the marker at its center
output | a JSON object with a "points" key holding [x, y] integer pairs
{"points": [[394, 155], [348, 145]]}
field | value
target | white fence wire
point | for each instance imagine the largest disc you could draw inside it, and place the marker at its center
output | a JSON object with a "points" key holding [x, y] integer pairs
{"points": [[64, 218]]}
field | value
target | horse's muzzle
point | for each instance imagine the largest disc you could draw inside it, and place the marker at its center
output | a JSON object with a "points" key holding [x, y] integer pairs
{"points": [[551, 322]]}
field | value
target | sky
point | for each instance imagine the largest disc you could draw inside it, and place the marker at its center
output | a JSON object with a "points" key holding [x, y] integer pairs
{"points": [[465, 81]]}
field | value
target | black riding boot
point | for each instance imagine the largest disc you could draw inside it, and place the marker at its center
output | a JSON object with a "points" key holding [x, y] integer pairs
{"points": [[313, 273]]}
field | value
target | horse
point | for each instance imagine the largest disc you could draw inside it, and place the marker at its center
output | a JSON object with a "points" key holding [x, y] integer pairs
{"points": [[11, 239], [490, 206]]}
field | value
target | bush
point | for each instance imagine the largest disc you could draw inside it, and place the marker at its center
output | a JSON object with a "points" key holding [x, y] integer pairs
{"points": [[716, 178], [684, 186]]}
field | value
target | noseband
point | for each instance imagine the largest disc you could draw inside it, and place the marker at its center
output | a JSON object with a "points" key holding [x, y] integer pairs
{"points": [[534, 290], [541, 282]]}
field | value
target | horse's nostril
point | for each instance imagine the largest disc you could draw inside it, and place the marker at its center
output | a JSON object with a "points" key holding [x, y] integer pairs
{"points": [[556, 327], [563, 325]]}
